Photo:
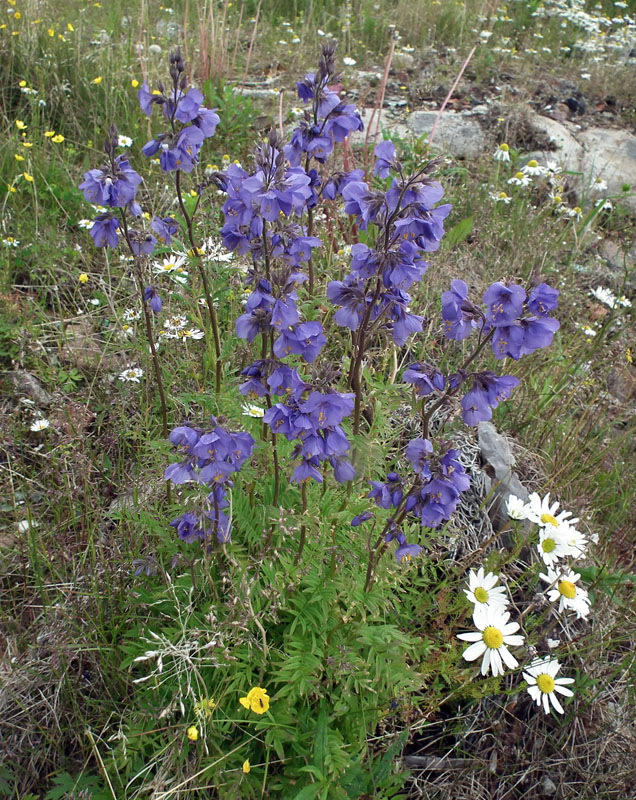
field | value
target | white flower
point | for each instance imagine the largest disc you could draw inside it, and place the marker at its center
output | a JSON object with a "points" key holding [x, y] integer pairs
{"points": [[570, 596], [598, 184], [169, 265], [500, 197], [191, 333], [131, 314], [126, 331], [540, 511], [40, 424], [349, 62], [124, 141], [553, 643], [131, 375], [85, 223], [24, 525], [533, 168], [94, 301], [253, 411], [519, 179], [175, 323], [574, 540], [516, 508], [585, 76], [552, 546], [502, 153], [483, 590], [543, 683], [493, 633], [215, 251], [11, 242]]}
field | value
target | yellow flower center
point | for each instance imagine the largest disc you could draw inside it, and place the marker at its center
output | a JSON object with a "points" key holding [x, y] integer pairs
{"points": [[567, 589], [492, 637], [481, 595], [548, 519], [518, 175], [503, 146], [545, 683], [502, 195], [548, 545], [532, 163]]}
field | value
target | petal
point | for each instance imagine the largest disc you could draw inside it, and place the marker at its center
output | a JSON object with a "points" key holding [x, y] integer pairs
{"points": [[511, 627], [485, 663], [535, 694], [474, 651], [495, 662], [531, 680], [513, 641], [561, 681], [546, 703], [510, 661], [473, 636], [565, 692], [556, 704]]}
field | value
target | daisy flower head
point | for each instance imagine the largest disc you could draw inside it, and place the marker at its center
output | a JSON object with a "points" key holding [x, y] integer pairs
{"points": [[483, 590], [575, 541], [191, 333], [541, 511], [131, 375], [543, 683], [564, 589], [502, 153], [533, 168], [519, 179], [491, 639], [500, 197], [515, 507], [551, 546], [250, 410], [169, 265], [40, 424]]}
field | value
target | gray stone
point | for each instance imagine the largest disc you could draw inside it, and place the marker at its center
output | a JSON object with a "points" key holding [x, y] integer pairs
{"points": [[388, 123], [611, 154], [460, 135], [568, 153], [548, 786], [496, 453], [403, 61], [27, 384]]}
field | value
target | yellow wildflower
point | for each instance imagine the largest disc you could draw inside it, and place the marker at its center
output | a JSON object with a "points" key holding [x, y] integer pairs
{"points": [[57, 139], [27, 144], [192, 733], [20, 125], [256, 700], [51, 32], [18, 158], [27, 177], [22, 84], [246, 766], [97, 80], [69, 27], [82, 277], [48, 134], [17, 15], [134, 83], [628, 356]]}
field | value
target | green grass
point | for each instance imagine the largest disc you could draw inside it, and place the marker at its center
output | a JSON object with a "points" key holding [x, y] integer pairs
{"points": [[356, 678]]}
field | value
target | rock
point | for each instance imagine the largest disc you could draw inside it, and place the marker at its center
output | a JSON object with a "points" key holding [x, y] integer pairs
{"points": [[25, 383], [568, 153], [611, 154], [548, 786], [403, 61], [621, 383], [80, 347], [388, 123], [496, 453], [460, 135]]}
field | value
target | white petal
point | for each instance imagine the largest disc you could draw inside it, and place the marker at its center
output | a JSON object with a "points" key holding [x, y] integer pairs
{"points": [[546, 703], [474, 651], [473, 636], [511, 627], [561, 681], [535, 694], [510, 661], [556, 703], [485, 662], [562, 690], [513, 641]]}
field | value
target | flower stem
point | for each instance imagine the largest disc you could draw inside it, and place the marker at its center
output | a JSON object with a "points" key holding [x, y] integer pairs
{"points": [[303, 527]]}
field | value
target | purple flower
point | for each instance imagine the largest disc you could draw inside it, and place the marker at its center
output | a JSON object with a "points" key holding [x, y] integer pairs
{"points": [[385, 159], [454, 470], [487, 391], [305, 339], [349, 295], [343, 119], [164, 228], [147, 99], [327, 410], [207, 119], [114, 187], [537, 332], [386, 493], [458, 313], [504, 303], [542, 299], [152, 298], [141, 243], [189, 528], [405, 552], [188, 105], [104, 230], [343, 471], [425, 378], [306, 470], [360, 518], [416, 453]]}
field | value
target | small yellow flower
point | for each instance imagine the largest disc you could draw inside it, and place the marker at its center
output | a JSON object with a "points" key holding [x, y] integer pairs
{"points": [[22, 84], [2, 27], [17, 15], [61, 37], [27, 177], [256, 700], [628, 356], [11, 2], [134, 83], [97, 5], [246, 766], [48, 134], [20, 125], [27, 144], [82, 277], [18, 158], [58, 139], [192, 733], [51, 32], [97, 80], [192, 193], [204, 707], [69, 27]]}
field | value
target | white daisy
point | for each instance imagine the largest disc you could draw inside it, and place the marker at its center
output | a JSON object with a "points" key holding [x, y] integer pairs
{"points": [[250, 410], [131, 375], [564, 589], [483, 590], [519, 179], [493, 633], [191, 333], [175, 323], [85, 223], [574, 540], [40, 424], [169, 265], [502, 153], [551, 546], [543, 683], [124, 141], [533, 168], [540, 511], [598, 184], [349, 62], [216, 252], [500, 197], [516, 508], [131, 314]]}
